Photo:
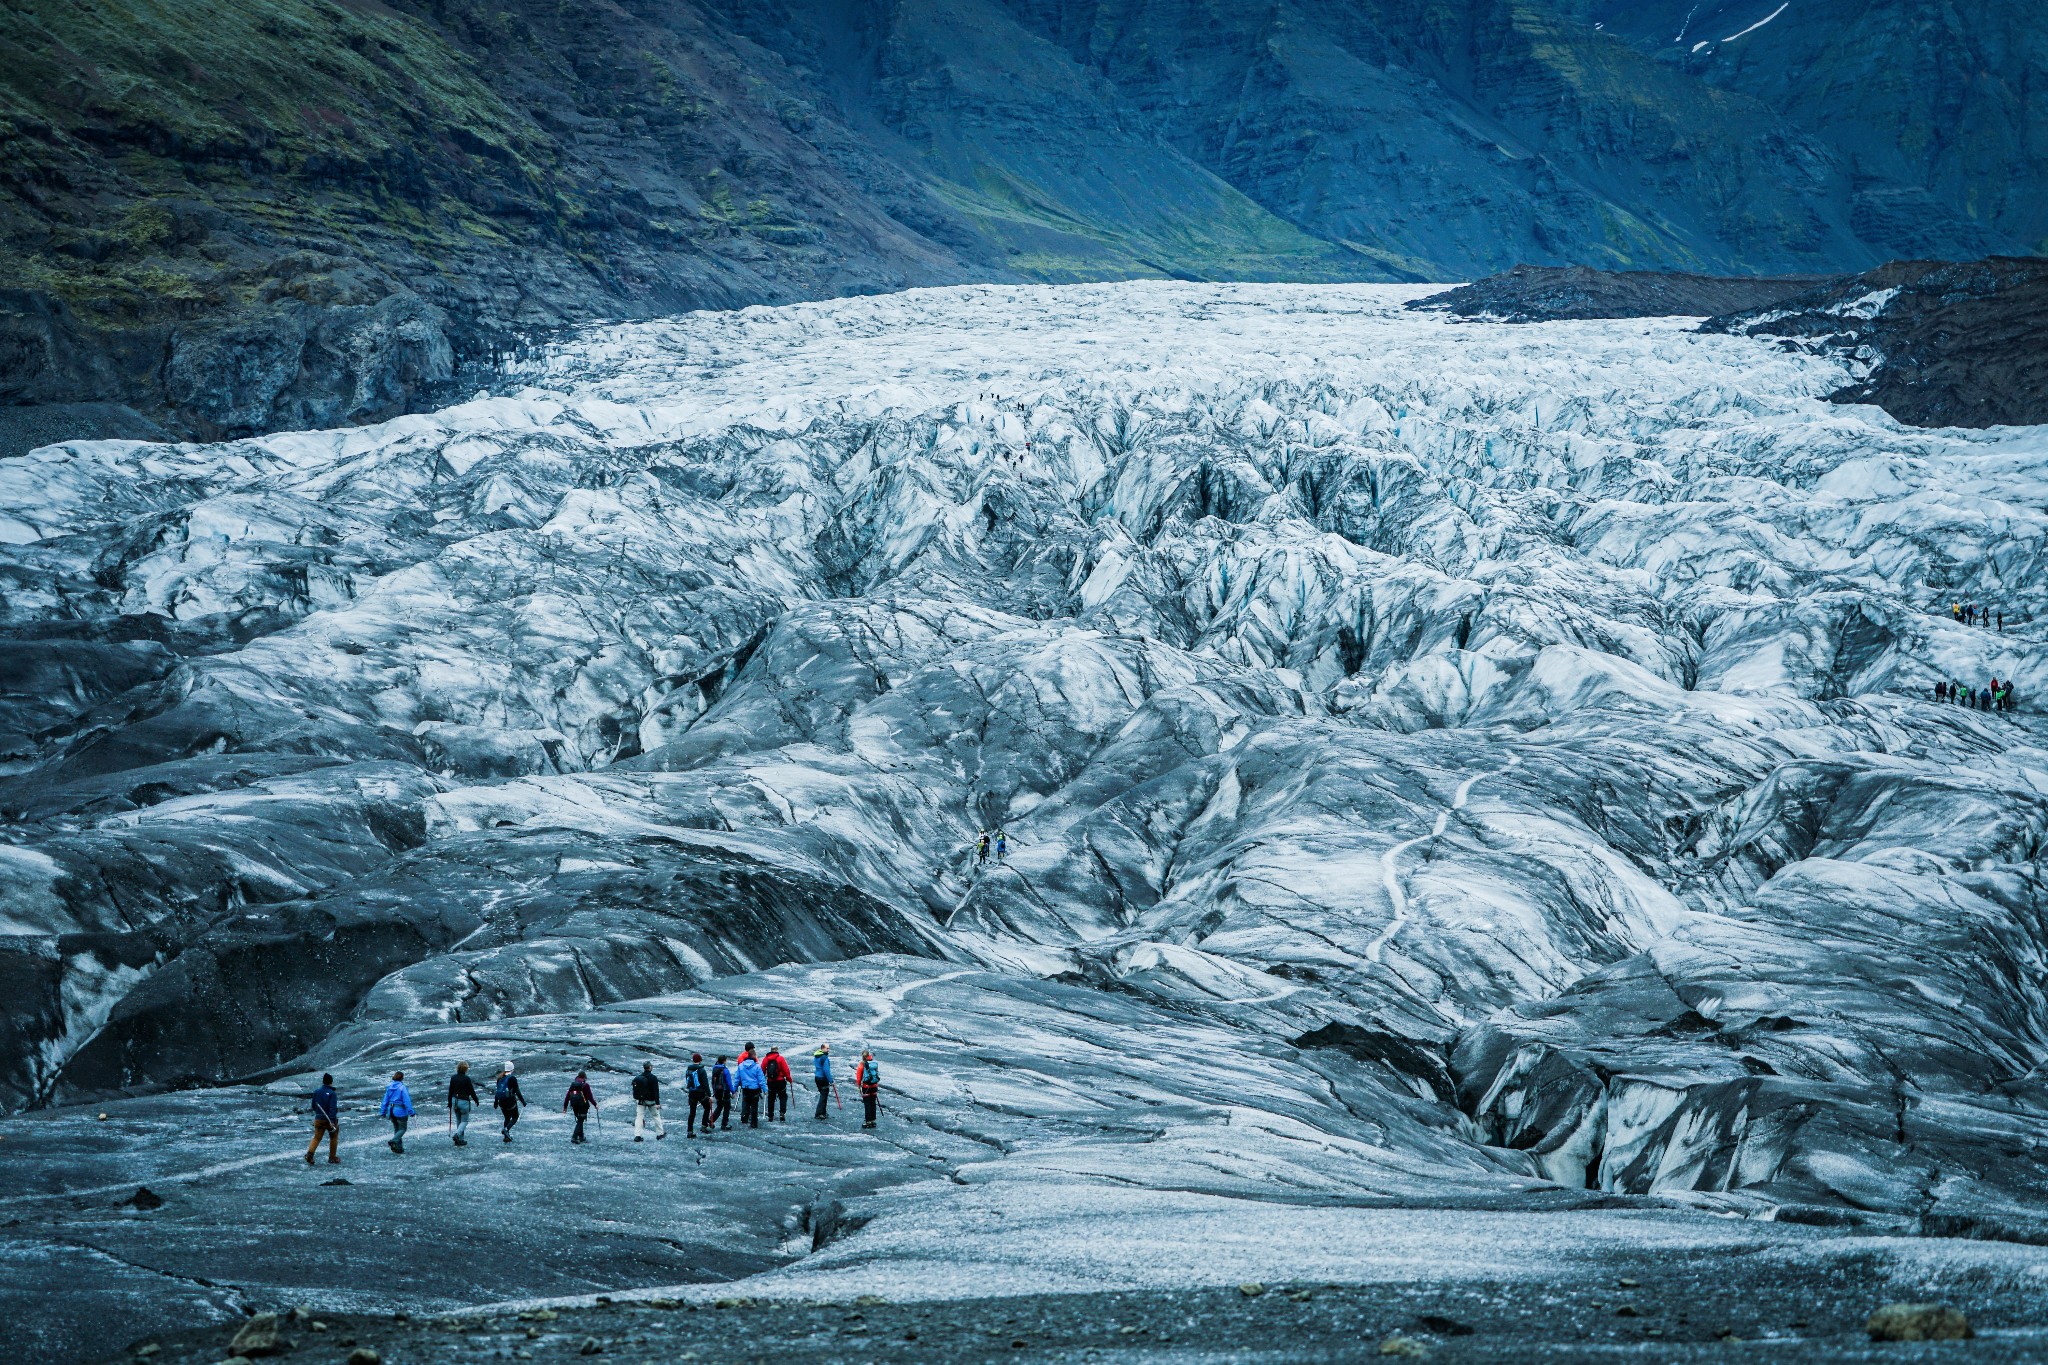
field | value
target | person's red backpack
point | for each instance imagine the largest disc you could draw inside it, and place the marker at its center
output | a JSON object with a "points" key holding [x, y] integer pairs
{"points": [[777, 1068]]}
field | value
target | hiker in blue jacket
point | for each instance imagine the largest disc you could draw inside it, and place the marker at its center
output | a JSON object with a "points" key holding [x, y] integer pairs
{"points": [[327, 1121], [821, 1075], [753, 1082], [397, 1107]]}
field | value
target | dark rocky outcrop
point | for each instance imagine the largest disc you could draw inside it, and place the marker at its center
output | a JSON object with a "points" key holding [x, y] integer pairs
{"points": [[1947, 344], [1534, 293]]}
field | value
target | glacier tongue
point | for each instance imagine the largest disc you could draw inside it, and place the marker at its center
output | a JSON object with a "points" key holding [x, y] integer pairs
{"points": [[1521, 736]]}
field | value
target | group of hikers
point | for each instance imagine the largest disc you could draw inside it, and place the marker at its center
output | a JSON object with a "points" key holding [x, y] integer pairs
{"points": [[753, 1077], [1969, 614], [987, 844], [1997, 696]]}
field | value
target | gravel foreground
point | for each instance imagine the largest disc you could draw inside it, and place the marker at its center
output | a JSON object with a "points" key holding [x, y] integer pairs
{"points": [[1706, 1309]]}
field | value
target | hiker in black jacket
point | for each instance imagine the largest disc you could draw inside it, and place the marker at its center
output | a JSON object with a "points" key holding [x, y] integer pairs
{"points": [[507, 1099], [647, 1103], [697, 1089], [461, 1099], [721, 1095]]}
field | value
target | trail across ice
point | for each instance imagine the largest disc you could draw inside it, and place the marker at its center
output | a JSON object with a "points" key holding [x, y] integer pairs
{"points": [[1390, 871]]}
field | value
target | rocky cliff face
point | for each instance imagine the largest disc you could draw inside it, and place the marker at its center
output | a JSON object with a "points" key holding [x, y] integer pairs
{"points": [[1933, 343], [217, 219]]}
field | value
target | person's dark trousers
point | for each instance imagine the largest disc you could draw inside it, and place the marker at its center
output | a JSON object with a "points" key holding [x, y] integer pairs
{"points": [[778, 1101], [750, 1108], [723, 1113], [511, 1112], [581, 1114], [869, 1101], [824, 1093], [398, 1134], [697, 1102]]}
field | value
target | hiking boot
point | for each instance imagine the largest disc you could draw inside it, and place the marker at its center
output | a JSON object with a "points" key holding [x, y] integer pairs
{"points": [[334, 1161], [639, 1139]]}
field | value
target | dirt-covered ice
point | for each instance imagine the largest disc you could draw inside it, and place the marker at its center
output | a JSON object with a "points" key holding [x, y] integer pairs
{"points": [[1447, 765]]}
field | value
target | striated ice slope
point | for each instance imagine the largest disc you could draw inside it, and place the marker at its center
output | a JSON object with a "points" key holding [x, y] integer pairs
{"points": [[1532, 722]]}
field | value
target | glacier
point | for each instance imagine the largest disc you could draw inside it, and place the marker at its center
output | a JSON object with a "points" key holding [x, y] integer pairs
{"points": [[1448, 764]]}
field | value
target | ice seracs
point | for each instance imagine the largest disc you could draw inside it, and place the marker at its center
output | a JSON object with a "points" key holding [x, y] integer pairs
{"points": [[1532, 722]]}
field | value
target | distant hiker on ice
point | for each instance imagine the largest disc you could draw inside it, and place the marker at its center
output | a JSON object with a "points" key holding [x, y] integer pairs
{"points": [[868, 1076], [507, 1098], [461, 1100], [821, 1076], [397, 1107], [697, 1090], [981, 848], [647, 1103], [1002, 845], [776, 1068], [581, 1100], [723, 1083], [326, 1122], [752, 1081]]}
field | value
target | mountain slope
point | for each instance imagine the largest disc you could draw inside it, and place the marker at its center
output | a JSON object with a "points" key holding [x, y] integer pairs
{"points": [[220, 219]]}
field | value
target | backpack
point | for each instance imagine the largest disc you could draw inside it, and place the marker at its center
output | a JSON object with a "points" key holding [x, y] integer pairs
{"points": [[694, 1079]]}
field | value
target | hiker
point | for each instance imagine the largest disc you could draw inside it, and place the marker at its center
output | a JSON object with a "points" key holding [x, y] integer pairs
{"points": [[776, 1068], [1002, 845], [1940, 691], [397, 1107], [580, 1098], [981, 848], [647, 1103], [326, 1120], [697, 1090], [821, 1075], [752, 1082], [722, 1086], [507, 1098], [868, 1076], [461, 1099]]}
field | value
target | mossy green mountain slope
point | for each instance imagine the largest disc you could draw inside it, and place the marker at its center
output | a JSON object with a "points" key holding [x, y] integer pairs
{"points": [[218, 218]]}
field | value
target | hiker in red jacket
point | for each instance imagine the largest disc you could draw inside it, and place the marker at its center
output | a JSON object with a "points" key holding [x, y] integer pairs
{"points": [[868, 1076], [776, 1068]]}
